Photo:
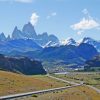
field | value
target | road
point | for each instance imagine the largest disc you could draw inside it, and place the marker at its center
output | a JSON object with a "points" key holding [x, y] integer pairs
{"points": [[73, 83], [81, 82], [9, 97], [97, 90]]}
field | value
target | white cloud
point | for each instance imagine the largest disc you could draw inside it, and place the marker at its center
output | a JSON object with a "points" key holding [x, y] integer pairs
{"points": [[51, 15], [34, 18], [86, 23], [22, 1]]}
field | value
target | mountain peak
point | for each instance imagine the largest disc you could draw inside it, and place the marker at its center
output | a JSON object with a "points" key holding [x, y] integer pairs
{"points": [[29, 31], [8, 38], [16, 28], [69, 41], [2, 33], [17, 34], [87, 39], [2, 37], [29, 23], [92, 42]]}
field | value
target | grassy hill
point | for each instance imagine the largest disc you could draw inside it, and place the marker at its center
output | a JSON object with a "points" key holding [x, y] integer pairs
{"points": [[11, 83]]}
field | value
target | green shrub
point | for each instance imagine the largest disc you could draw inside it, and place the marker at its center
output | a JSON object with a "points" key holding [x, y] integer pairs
{"points": [[34, 95]]}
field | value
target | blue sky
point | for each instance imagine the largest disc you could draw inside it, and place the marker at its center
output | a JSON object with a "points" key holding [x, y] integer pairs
{"points": [[64, 18]]}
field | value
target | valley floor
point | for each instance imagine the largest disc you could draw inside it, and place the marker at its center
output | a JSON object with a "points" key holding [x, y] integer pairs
{"points": [[88, 78]]}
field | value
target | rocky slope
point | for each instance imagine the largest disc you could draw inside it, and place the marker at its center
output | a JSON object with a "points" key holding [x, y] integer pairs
{"points": [[21, 65]]}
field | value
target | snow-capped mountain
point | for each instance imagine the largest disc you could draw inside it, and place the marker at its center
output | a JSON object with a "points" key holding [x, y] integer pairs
{"points": [[51, 44], [92, 42], [44, 39], [69, 41]]}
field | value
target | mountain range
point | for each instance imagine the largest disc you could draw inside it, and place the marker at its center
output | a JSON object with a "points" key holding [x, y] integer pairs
{"points": [[63, 55], [48, 48], [45, 40], [88, 40]]}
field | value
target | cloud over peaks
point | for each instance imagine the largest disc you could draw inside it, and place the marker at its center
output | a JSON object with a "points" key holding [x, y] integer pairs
{"points": [[86, 23], [34, 18]]}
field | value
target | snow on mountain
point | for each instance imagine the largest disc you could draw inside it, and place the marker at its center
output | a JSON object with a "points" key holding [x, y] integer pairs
{"points": [[51, 44], [45, 40], [69, 41], [92, 42]]}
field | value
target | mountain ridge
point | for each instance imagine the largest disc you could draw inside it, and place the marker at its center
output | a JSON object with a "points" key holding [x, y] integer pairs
{"points": [[21, 65]]}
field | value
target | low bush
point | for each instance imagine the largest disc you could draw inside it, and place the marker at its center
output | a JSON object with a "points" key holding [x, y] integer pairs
{"points": [[34, 95]]}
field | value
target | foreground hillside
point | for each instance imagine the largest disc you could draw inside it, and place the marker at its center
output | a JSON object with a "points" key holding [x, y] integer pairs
{"points": [[76, 93], [11, 83], [22, 65], [83, 92]]}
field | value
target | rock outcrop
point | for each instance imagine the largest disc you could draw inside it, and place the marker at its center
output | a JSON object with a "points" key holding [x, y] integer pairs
{"points": [[21, 65]]}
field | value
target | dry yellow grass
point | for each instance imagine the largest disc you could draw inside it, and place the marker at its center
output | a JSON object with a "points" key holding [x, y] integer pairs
{"points": [[92, 94], [11, 83], [76, 93]]}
